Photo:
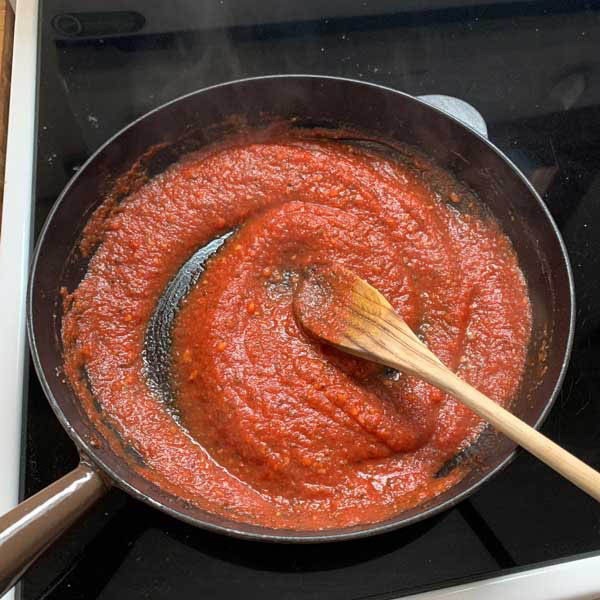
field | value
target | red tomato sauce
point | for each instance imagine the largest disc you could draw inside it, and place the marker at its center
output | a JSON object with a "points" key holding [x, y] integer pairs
{"points": [[275, 428]]}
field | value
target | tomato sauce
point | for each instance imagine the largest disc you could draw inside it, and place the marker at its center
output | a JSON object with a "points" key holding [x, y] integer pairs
{"points": [[270, 425]]}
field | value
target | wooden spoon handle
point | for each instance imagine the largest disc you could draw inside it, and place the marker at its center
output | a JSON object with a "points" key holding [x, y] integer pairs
{"points": [[398, 347], [339, 307], [569, 466]]}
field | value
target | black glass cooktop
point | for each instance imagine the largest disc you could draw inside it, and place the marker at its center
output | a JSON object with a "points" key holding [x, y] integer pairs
{"points": [[531, 68]]}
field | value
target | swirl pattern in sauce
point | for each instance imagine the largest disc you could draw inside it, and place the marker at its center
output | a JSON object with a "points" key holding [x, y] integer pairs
{"points": [[273, 427]]}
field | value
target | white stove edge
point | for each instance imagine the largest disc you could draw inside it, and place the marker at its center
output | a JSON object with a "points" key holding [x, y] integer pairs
{"points": [[15, 246], [577, 579]]}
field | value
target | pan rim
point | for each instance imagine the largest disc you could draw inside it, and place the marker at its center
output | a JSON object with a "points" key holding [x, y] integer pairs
{"points": [[258, 533]]}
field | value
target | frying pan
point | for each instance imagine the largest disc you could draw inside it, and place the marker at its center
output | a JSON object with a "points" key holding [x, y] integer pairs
{"points": [[201, 118]]}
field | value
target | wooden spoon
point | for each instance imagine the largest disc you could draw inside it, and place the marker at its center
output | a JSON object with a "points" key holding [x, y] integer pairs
{"points": [[339, 307]]}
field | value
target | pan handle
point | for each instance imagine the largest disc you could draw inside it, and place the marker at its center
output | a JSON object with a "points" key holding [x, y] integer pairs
{"points": [[29, 528]]}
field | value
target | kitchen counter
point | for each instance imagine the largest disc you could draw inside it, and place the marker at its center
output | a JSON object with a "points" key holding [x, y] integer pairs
{"points": [[7, 25]]}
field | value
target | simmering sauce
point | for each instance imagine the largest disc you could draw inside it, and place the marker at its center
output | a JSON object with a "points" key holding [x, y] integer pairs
{"points": [[267, 425]]}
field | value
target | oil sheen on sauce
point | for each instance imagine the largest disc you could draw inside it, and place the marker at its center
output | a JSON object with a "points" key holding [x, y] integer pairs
{"points": [[273, 427]]}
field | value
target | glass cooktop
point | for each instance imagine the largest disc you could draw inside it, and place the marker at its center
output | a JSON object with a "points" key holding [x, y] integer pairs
{"points": [[533, 71]]}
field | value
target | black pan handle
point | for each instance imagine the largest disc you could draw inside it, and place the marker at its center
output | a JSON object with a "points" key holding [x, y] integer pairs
{"points": [[29, 528]]}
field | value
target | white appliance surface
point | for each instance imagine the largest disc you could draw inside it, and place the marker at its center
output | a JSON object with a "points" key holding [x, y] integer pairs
{"points": [[15, 245]]}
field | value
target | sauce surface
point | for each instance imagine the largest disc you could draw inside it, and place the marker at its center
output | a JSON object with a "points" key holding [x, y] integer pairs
{"points": [[267, 424]]}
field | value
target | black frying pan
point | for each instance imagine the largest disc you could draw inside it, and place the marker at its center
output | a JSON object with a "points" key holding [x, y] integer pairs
{"points": [[198, 119]]}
